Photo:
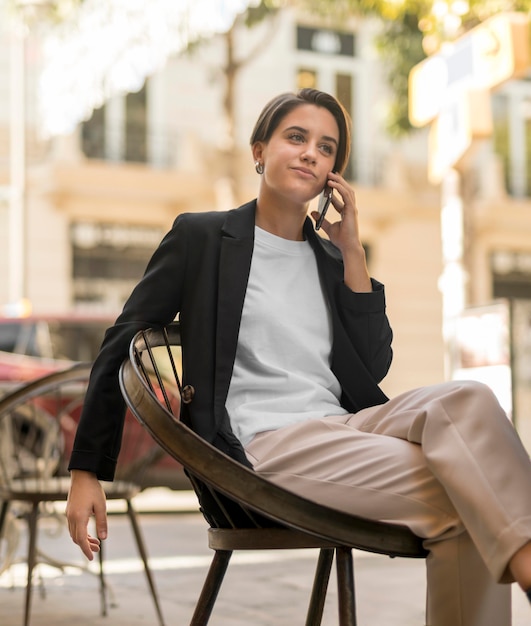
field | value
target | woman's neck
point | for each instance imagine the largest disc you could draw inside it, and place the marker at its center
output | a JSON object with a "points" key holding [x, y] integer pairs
{"points": [[281, 220]]}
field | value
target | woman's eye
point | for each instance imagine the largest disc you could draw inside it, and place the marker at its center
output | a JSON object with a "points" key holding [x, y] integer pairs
{"points": [[327, 149], [296, 137]]}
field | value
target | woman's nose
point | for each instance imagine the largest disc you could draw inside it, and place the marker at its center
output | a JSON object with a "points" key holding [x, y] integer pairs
{"points": [[309, 153]]}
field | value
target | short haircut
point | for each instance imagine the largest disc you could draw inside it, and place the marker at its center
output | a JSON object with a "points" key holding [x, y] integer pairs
{"points": [[277, 108]]}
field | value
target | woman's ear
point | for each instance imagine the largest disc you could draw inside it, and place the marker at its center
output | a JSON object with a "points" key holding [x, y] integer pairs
{"points": [[258, 151]]}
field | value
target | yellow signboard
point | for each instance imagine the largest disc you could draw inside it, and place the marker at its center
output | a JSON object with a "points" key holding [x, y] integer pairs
{"points": [[483, 58]]}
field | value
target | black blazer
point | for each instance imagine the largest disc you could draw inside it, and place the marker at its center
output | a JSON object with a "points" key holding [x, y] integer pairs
{"points": [[200, 273]]}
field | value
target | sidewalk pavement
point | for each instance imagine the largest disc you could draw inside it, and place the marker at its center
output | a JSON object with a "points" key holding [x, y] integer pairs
{"points": [[260, 588]]}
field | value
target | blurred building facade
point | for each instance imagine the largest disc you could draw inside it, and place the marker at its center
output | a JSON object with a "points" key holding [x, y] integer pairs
{"points": [[98, 201]]}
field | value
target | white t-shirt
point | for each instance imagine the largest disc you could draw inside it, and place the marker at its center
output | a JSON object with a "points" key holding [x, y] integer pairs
{"points": [[282, 369]]}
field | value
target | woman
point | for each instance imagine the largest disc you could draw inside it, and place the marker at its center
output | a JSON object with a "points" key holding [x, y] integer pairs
{"points": [[285, 339]]}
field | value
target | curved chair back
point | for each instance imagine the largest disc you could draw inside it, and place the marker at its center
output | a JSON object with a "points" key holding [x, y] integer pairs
{"points": [[246, 511], [223, 475]]}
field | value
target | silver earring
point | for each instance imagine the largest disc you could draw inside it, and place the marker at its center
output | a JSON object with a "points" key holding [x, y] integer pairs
{"points": [[259, 167]]}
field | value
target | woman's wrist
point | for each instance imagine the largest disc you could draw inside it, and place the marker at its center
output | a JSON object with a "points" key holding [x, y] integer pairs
{"points": [[356, 274]]}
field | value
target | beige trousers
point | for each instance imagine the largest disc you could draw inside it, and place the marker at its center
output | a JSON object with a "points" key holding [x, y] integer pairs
{"points": [[445, 461]]}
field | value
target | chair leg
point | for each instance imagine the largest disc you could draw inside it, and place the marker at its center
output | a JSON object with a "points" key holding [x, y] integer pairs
{"points": [[320, 586], [103, 583], [3, 516], [5, 556], [32, 556], [211, 588], [345, 587], [143, 554]]}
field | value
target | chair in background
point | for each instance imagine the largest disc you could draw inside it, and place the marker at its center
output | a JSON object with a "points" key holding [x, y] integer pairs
{"points": [[245, 511], [38, 421]]}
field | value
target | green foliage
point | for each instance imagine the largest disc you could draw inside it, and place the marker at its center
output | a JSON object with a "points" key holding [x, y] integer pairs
{"points": [[255, 14], [400, 48], [501, 147], [35, 13]]}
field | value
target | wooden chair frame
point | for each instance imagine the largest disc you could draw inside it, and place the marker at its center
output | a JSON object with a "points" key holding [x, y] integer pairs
{"points": [[278, 519]]}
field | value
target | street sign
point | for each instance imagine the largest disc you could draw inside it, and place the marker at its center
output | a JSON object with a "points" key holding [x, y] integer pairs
{"points": [[483, 58], [462, 120]]}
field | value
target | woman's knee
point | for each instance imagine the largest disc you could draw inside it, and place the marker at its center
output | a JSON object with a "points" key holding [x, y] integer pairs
{"points": [[471, 397], [469, 391]]}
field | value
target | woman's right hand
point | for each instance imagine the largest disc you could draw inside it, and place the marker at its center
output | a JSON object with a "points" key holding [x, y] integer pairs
{"points": [[86, 499]]}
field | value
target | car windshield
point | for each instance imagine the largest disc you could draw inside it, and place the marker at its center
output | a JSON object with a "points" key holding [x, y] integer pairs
{"points": [[55, 339], [19, 338], [76, 341], [8, 337]]}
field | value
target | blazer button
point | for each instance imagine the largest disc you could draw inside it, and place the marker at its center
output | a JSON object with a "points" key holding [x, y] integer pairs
{"points": [[187, 394]]}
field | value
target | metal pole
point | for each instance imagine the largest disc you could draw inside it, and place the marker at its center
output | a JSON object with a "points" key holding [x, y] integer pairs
{"points": [[17, 257], [453, 279]]}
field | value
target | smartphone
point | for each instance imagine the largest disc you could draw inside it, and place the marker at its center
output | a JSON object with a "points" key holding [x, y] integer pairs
{"points": [[324, 202]]}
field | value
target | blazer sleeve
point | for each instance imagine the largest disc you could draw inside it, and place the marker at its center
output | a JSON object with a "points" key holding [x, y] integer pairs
{"points": [[365, 321], [154, 302]]}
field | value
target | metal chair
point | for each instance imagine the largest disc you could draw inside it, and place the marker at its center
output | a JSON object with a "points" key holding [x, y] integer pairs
{"points": [[38, 421], [245, 511]]}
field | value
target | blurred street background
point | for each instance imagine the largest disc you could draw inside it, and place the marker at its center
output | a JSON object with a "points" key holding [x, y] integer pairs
{"points": [[116, 116]]}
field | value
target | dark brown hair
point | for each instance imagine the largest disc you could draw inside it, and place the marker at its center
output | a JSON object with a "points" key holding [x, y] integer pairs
{"points": [[275, 111]]}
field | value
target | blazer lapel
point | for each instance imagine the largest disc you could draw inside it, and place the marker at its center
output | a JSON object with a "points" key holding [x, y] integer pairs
{"points": [[234, 267], [359, 389]]}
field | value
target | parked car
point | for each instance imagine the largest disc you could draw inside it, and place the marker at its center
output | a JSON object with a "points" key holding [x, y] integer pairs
{"points": [[70, 338], [31, 347]]}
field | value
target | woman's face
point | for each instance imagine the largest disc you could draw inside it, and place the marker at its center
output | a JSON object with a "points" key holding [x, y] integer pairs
{"points": [[300, 154]]}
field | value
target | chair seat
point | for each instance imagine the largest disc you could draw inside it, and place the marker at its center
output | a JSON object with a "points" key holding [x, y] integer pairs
{"points": [[264, 539], [55, 489], [120, 490], [46, 489]]}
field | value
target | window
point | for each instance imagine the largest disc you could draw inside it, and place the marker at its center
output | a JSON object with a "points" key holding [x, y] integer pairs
{"points": [[325, 41], [511, 274], [135, 127], [512, 135], [118, 130], [108, 260], [306, 79], [93, 135]]}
